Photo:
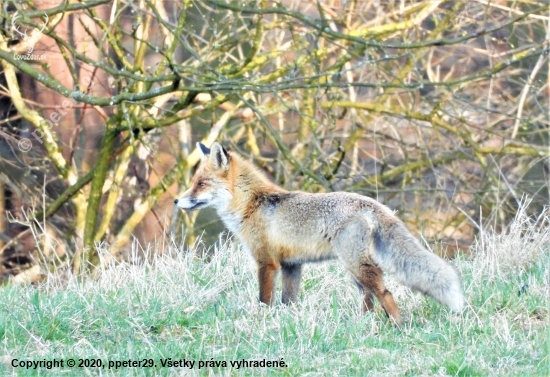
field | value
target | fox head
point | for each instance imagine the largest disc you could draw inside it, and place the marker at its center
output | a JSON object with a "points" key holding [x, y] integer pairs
{"points": [[210, 185]]}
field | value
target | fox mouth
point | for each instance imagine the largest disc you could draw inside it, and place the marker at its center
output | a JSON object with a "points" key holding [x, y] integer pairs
{"points": [[191, 205], [195, 206]]}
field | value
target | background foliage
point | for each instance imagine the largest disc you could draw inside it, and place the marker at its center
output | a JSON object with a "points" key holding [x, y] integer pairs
{"points": [[439, 109]]}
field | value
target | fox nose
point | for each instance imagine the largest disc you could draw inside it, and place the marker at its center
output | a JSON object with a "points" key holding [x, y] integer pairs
{"points": [[176, 201]]}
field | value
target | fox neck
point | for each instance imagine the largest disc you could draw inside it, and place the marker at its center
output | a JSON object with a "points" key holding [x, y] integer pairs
{"points": [[247, 184]]}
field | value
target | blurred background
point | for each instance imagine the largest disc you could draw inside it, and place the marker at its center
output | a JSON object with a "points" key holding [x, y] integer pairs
{"points": [[438, 109]]}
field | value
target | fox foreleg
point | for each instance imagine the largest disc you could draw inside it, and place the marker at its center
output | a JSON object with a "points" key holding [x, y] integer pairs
{"points": [[266, 279], [292, 273]]}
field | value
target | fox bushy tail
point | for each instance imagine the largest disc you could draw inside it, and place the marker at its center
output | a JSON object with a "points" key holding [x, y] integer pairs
{"points": [[399, 253]]}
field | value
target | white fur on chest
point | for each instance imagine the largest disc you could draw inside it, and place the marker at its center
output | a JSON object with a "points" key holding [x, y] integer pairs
{"points": [[232, 221]]}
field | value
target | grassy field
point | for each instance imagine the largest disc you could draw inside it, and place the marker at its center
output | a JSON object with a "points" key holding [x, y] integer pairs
{"points": [[175, 306]]}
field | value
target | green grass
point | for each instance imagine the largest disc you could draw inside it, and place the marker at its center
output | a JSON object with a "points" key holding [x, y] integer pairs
{"points": [[177, 306]]}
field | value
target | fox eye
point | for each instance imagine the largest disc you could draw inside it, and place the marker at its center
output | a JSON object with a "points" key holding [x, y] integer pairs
{"points": [[201, 184]]}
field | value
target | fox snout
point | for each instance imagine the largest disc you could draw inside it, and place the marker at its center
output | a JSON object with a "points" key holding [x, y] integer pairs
{"points": [[190, 203]]}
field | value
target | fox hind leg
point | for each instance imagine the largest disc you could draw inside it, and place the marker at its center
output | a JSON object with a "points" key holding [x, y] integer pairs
{"points": [[368, 297], [351, 248], [371, 279], [292, 273]]}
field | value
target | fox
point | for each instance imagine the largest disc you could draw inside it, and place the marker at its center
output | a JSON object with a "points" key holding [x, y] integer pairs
{"points": [[283, 230]]}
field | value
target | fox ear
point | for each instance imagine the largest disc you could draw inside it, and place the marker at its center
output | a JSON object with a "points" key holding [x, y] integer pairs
{"points": [[203, 150], [219, 157]]}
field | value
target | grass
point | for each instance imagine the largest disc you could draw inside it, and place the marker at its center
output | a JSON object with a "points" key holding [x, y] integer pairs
{"points": [[177, 306]]}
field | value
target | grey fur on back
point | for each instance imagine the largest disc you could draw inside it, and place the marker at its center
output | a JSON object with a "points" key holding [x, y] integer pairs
{"points": [[399, 253]]}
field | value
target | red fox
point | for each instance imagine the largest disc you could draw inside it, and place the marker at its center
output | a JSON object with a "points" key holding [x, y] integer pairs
{"points": [[284, 229]]}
